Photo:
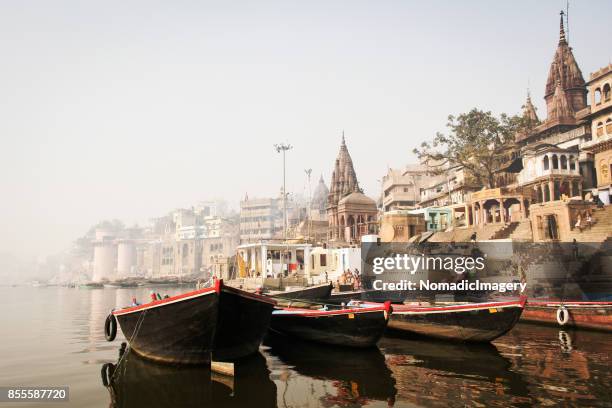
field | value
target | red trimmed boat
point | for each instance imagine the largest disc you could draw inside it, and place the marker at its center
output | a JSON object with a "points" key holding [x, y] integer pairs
{"points": [[354, 326], [244, 319], [470, 322], [582, 315], [226, 322], [317, 292]]}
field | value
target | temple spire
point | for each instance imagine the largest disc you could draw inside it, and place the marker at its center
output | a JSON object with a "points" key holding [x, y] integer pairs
{"points": [[562, 39]]}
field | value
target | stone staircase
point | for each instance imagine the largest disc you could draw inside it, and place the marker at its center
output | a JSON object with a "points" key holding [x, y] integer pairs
{"points": [[600, 230], [506, 231], [464, 234]]}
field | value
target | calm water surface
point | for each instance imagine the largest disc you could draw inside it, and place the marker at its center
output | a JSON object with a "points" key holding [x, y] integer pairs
{"points": [[53, 336]]}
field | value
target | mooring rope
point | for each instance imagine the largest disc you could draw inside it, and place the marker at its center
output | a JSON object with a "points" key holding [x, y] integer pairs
{"points": [[132, 338]]}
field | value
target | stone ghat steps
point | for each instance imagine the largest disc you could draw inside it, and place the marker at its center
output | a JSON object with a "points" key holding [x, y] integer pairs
{"points": [[601, 228], [464, 234]]}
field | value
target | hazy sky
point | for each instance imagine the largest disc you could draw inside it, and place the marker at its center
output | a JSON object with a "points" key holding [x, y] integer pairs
{"points": [[130, 109]]}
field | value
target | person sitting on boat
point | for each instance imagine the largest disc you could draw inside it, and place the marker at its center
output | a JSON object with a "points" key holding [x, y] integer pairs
{"points": [[473, 237]]}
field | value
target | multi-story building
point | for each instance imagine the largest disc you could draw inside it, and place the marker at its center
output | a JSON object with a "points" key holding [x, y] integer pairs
{"points": [[600, 116], [401, 187], [260, 219]]}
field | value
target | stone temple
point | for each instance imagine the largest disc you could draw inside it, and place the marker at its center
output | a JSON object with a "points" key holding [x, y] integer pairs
{"points": [[350, 213]]}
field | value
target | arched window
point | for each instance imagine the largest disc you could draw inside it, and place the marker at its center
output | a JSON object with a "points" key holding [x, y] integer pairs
{"points": [[597, 96], [564, 162], [555, 161], [546, 164], [600, 129], [606, 92], [609, 126], [572, 163]]}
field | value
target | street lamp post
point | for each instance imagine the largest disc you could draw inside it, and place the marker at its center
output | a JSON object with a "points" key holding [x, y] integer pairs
{"points": [[284, 148], [308, 210]]}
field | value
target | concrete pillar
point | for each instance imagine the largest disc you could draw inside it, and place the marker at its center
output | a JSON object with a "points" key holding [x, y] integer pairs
{"points": [[483, 213], [502, 215], [551, 187], [264, 261]]}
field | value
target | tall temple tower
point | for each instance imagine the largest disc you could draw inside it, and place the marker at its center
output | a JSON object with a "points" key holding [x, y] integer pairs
{"points": [[565, 92], [344, 180], [350, 213]]}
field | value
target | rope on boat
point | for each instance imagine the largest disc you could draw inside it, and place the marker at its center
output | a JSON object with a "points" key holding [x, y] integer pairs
{"points": [[132, 338]]}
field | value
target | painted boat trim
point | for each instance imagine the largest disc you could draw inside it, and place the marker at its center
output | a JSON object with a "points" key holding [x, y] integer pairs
{"points": [[164, 302], [405, 309], [296, 311]]}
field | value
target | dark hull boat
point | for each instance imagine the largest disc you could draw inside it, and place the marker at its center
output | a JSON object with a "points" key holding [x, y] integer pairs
{"points": [[474, 322], [226, 322], [353, 326], [244, 319], [318, 292]]}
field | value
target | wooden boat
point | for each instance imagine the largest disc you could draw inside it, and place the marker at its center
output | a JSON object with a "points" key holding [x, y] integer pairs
{"points": [[354, 326], [317, 292], [226, 322], [581, 315], [244, 319], [470, 322]]}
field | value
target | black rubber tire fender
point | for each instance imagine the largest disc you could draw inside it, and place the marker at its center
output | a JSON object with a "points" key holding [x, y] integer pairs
{"points": [[108, 369], [110, 327]]}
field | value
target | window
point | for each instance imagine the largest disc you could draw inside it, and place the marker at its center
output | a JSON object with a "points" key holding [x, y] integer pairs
{"points": [[600, 129], [564, 162], [555, 162], [323, 259], [597, 96], [546, 165], [606, 92], [572, 163]]}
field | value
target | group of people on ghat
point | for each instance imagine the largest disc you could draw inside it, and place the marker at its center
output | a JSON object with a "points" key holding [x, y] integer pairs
{"points": [[583, 220], [349, 277]]}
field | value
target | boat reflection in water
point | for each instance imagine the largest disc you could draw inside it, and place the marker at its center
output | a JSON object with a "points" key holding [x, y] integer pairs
{"points": [[311, 374], [433, 373], [574, 371], [137, 382]]}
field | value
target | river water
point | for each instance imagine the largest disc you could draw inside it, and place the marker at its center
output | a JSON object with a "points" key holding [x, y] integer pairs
{"points": [[52, 336]]}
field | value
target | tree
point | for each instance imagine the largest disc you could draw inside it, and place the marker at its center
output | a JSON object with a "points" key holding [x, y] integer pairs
{"points": [[477, 141]]}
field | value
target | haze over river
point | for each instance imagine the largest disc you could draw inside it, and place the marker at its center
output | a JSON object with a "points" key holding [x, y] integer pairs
{"points": [[53, 336]]}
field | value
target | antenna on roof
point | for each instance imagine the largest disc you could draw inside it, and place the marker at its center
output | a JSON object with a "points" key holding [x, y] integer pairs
{"points": [[567, 20]]}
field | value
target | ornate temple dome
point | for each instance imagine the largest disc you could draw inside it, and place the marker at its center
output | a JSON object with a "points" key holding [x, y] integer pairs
{"points": [[357, 198], [319, 197]]}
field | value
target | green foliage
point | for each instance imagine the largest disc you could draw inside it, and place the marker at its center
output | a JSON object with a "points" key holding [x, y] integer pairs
{"points": [[477, 141]]}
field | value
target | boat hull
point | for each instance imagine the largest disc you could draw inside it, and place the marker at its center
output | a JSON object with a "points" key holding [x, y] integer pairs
{"points": [[244, 321], [320, 292], [179, 330], [469, 323], [351, 327], [582, 315]]}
